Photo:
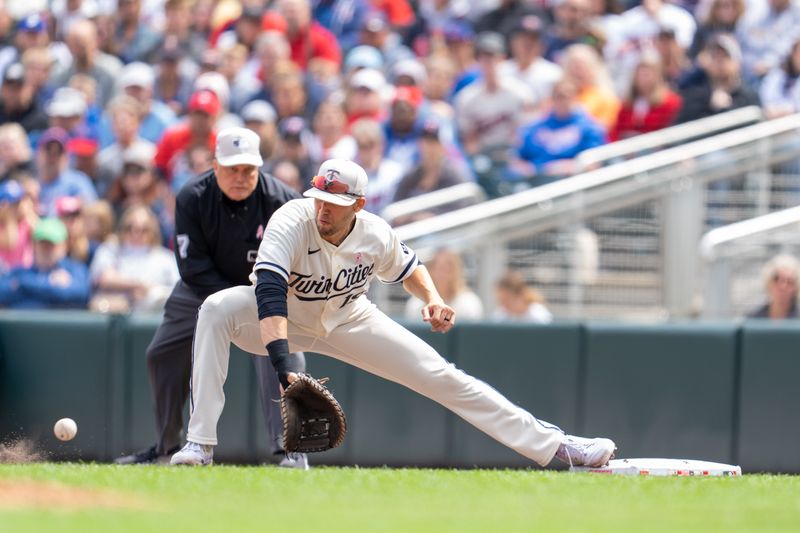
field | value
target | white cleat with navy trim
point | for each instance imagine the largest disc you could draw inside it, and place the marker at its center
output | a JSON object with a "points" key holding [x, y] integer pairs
{"points": [[580, 451], [194, 454]]}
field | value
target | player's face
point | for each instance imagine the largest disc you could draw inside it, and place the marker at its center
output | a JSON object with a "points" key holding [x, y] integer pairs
{"points": [[237, 182], [334, 221]]}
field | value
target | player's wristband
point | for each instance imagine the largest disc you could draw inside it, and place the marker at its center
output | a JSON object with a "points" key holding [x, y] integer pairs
{"points": [[278, 351]]}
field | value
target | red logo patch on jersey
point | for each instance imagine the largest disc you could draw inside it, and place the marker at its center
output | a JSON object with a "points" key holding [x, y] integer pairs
{"points": [[358, 258]]}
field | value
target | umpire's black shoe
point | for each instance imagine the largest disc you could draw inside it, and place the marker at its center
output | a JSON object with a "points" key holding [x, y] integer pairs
{"points": [[145, 457], [294, 460]]}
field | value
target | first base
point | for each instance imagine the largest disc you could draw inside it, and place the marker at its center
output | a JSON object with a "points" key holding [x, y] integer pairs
{"points": [[662, 467]]}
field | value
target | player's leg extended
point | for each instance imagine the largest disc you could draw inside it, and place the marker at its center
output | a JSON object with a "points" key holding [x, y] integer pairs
{"points": [[217, 323], [169, 364], [381, 346]]}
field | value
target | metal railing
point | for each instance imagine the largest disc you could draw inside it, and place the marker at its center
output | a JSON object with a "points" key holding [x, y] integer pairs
{"points": [[461, 195], [734, 256], [619, 241], [668, 137]]}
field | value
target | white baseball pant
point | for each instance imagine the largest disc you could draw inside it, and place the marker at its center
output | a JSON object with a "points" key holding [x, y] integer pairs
{"points": [[374, 343]]}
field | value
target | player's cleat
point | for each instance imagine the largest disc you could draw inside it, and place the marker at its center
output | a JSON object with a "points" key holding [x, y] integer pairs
{"points": [[580, 451], [194, 454], [294, 460], [146, 457]]}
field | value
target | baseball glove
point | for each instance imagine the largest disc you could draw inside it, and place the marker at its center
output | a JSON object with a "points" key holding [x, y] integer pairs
{"points": [[313, 421]]}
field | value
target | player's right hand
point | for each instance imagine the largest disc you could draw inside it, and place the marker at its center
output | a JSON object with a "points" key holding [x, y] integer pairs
{"points": [[440, 316]]}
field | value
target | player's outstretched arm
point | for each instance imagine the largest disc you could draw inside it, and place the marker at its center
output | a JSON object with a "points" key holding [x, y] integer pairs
{"points": [[271, 289], [438, 314]]}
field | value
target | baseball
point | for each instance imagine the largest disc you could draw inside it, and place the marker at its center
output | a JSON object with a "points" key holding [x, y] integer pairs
{"points": [[65, 429]]}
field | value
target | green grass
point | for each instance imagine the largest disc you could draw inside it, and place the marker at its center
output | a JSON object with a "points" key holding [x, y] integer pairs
{"points": [[229, 498]]}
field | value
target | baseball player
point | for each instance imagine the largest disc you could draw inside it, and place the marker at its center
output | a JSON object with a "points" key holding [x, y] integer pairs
{"points": [[311, 278], [220, 217]]}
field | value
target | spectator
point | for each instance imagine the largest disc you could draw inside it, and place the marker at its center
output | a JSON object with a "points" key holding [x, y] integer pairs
{"points": [[17, 220], [83, 158], [204, 109], [766, 33], [18, 103], [490, 110], [376, 32], [133, 40], [343, 18], [715, 16], [185, 28], [718, 86], [447, 272], [137, 80], [675, 63], [173, 81], [571, 26], [364, 96], [293, 147], [651, 105], [55, 178], [98, 222], [639, 26], [596, 94], [67, 110], [549, 145], [38, 64], [287, 173], [197, 159], [506, 17], [780, 277], [81, 39], [439, 85], [459, 39], [134, 273], [383, 173], [330, 139], [433, 172], [260, 117], [138, 184], [70, 212], [272, 51], [403, 128], [308, 39], [87, 87], [16, 157], [53, 281], [527, 64], [126, 114], [780, 90], [361, 57], [519, 302]]}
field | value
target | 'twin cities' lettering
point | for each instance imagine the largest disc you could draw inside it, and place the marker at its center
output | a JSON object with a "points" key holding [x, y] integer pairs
{"points": [[344, 282]]}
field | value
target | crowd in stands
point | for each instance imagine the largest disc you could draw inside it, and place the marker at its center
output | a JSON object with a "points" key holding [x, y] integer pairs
{"points": [[108, 107]]}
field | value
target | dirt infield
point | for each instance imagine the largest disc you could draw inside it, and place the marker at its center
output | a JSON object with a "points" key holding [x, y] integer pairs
{"points": [[16, 494], [19, 452]]}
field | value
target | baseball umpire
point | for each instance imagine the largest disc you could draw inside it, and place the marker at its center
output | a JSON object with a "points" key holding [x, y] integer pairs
{"points": [[220, 217], [311, 279]]}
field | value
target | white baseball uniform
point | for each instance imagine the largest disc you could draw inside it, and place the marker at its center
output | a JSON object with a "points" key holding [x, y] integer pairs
{"points": [[329, 313]]}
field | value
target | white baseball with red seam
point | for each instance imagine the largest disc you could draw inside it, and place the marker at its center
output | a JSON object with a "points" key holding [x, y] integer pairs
{"points": [[65, 429]]}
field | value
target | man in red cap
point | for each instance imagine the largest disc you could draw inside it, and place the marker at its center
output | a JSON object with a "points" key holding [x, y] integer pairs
{"points": [[309, 40], [404, 126], [204, 109]]}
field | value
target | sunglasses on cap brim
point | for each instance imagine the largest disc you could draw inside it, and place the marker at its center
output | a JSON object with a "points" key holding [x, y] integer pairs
{"points": [[332, 185]]}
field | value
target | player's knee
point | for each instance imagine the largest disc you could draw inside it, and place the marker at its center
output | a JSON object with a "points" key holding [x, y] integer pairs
{"points": [[212, 312]]}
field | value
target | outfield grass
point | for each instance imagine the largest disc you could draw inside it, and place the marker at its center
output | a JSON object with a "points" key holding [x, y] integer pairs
{"points": [[228, 498]]}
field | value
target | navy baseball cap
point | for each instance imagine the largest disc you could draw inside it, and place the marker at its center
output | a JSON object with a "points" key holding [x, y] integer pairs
{"points": [[33, 23], [11, 192], [458, 31]]}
